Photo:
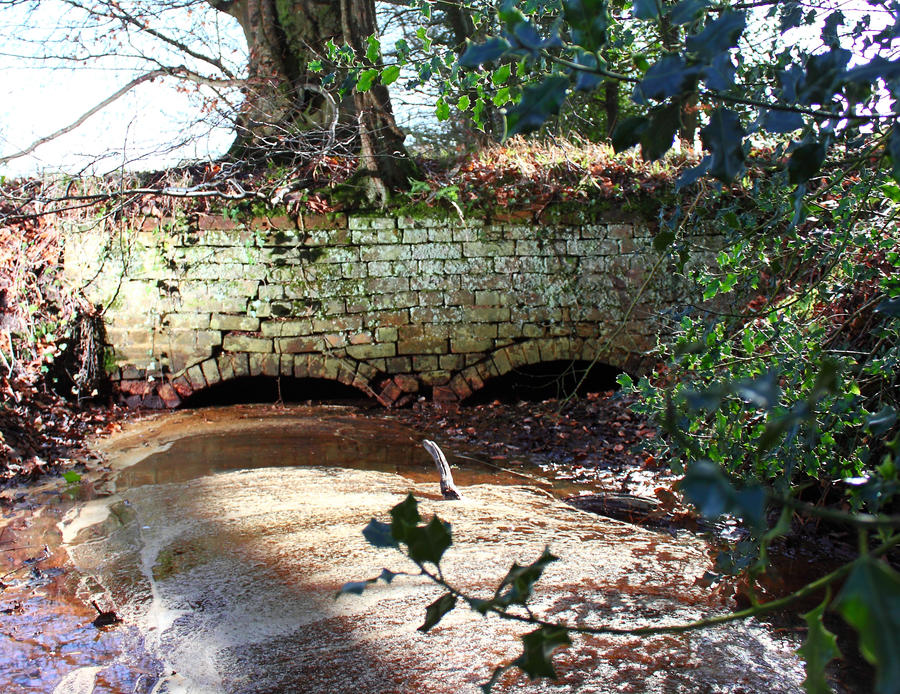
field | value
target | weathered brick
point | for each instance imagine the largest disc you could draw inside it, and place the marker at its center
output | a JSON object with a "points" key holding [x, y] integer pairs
{"points": [[437, 251], [180, 321], [301, 365], [286, 328], [483, 314], [195, 375], [275, 222], [216, 221], [360, 222], [461, 345], [264, 365], [211, 371], [246, 343], [298, 345], [489, 249], [220, 321], [372, 351], [321, 221]]}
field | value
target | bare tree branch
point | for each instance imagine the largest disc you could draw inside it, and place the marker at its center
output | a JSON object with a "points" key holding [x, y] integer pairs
{"points": [[147, 76]]}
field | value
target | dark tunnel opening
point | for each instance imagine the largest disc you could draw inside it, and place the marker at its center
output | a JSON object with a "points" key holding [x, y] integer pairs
{"points": [[548, 380], [267, 389]]}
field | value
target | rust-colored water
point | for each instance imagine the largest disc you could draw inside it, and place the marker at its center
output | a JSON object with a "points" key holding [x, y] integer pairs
{"points": [[222, 535]]}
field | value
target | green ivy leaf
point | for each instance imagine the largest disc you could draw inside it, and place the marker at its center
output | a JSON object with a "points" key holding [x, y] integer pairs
{"points": [[429, 542], [436, 610], [390, 74], [501, 97], [71, 476], [870, 603], [723, 136], [538, 103], [819, 649], [365, 80], [538, 647], [463, 103]]}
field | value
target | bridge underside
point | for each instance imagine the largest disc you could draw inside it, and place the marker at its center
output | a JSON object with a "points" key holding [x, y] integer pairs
{"points": [[390, 391], [395, 308]]}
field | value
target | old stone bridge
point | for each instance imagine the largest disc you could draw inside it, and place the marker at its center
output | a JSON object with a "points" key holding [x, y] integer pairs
{"points": [[393, 306]]}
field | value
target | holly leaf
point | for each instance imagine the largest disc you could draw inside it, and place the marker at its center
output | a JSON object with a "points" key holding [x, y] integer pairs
{"points": [[627, 133], [719, 35], [588, 21], [657, 138], [404, 518], [490, 50], [819, 649], [882, 421], [889, 307], [806, 160], [720, 74], [520, 580], [694, 174], [436, 610], [667, 77], [706, 485], [687, 11], [723, 136], [781, 122], [366, 79], [442, 110], [429, 542], [870, 603], [538, 103], [390, 74], [538, 647], [373, 51], [379, 534], [645, 9]]}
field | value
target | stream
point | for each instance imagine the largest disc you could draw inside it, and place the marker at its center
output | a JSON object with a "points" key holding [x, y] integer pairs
{"points": [[220, 537]]}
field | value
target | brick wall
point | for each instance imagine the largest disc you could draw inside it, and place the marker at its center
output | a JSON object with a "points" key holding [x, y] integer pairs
{"points": [[391, 306]]}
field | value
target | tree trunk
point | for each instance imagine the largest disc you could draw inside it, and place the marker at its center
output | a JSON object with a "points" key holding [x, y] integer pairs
{"points": [[611, 105], [285, 107], [381, 154]]}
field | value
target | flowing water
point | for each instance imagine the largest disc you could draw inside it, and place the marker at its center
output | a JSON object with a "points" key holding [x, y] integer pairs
{"points": [[221, 537]]}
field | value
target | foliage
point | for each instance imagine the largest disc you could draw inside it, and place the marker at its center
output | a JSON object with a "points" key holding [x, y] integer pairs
{"points": [[779, 396]]}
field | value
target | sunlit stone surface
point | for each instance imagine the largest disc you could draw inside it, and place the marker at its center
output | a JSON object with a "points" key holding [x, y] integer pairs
{"points": [[231, 578]]}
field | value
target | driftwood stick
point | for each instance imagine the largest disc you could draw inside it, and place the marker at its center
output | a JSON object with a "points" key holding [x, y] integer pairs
{"points": [[448, 489]]}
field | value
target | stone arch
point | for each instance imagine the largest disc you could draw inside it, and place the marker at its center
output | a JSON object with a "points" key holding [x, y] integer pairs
{"points": [[230, 365], [505, 359]]}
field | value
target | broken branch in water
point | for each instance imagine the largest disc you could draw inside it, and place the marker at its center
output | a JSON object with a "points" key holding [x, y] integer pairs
{"points": [[448, 488], [104, 619]]}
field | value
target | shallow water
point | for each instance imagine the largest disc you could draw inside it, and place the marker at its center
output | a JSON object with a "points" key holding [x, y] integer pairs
{"points": [[230, 530]]}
